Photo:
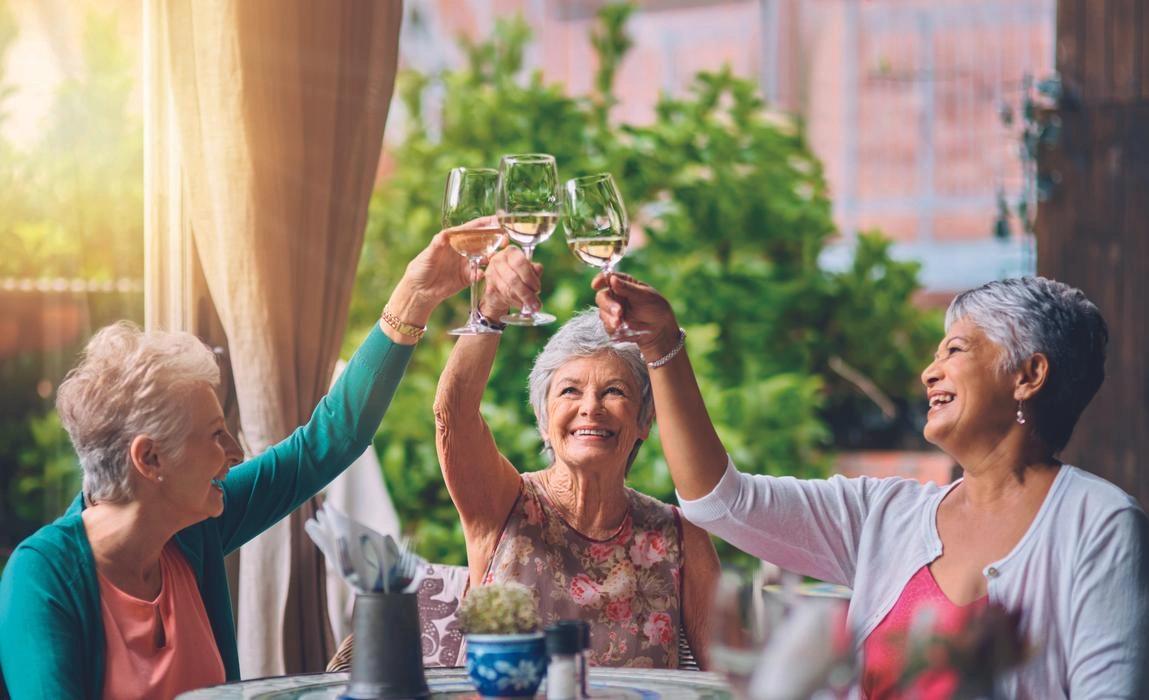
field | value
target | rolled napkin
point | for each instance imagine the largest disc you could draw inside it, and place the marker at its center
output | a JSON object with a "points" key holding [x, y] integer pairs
{"points": [[366, 560]]}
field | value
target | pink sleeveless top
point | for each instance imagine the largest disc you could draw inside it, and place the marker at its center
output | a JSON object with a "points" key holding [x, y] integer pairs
{"points": [[627, 586], [153, 652], [884, 651]]}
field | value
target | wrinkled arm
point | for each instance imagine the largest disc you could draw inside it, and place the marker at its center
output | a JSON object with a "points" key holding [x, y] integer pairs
{"points": [[41, 651], [700, 575], [1108, 645], [482, 483]]}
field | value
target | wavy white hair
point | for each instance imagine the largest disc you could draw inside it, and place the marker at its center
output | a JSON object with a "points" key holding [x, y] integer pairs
{"points": [[129, 383]]}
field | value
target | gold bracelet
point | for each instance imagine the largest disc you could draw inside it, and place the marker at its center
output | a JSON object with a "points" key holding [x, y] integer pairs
{"points": [[402, 327]]}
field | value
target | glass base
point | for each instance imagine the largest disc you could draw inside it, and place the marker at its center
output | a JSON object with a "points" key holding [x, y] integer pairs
{"points": [[625, 333], [538, 318], [473, 329]]}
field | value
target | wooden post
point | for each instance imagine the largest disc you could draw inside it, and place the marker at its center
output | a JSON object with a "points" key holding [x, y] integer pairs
{"points": [[1093, 232]]}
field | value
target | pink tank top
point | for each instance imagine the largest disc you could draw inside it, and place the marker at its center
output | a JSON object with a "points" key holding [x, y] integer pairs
{"points": [[627, 586], [884, 651], [151, 651]]}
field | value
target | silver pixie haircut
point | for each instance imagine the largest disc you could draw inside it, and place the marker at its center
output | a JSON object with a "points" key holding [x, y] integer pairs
{"points": [[583, 336], [129, 383], [1031, 315]]}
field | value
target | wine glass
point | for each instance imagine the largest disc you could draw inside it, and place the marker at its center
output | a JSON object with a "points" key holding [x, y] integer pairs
{"points": [[527, 203], [741, 618], [470, 197], [597, 230]]}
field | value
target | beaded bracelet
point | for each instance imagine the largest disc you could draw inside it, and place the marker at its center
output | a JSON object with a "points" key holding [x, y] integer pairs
{"points": [[655, 364], [402, 327]]}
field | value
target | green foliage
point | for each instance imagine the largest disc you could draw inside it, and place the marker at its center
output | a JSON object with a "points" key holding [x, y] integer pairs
{"points": [[71, 205], [49, 476], [735, 211]]}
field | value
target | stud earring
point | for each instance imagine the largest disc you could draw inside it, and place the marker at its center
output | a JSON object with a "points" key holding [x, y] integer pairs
{"points": [[1020, 415], [159, 477]]}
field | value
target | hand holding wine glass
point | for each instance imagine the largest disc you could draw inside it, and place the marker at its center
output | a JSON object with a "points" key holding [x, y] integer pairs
{"points": [[625, 302], [511, 279], [472, 229], [527, 204]]}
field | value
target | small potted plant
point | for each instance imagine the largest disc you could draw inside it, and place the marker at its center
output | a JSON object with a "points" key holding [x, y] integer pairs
{"points": [[506, 654]]}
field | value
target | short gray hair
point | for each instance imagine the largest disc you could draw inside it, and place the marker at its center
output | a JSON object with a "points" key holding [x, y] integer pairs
{"points": [[1032, 315], [129, 383], [583, 336]]}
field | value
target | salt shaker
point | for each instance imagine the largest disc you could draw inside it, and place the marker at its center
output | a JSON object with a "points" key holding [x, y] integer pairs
{"points": [[563, 645], [583, 628]]}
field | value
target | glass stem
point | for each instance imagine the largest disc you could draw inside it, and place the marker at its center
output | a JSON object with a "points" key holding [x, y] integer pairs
{"points": [[526, 311], [474, 290]]}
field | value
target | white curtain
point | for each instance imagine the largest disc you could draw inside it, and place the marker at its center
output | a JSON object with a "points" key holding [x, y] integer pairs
{"points": [[265, 124]]}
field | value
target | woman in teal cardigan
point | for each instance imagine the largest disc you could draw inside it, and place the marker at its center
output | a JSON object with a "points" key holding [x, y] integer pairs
{"points": [[160, 469]]}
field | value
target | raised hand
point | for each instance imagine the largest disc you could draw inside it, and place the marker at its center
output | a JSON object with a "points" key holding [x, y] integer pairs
{"points": [[623, 299], [512, 280], [438, 272]]}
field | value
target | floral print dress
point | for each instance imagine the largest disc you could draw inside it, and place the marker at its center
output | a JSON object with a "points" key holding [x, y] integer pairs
{"points": [[627, 586]]}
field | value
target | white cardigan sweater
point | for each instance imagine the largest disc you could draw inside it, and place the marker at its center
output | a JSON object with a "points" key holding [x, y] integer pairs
{"points": [[1080, 573]]}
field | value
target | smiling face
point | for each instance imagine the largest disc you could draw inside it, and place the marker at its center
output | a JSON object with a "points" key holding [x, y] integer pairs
{"points": [[592, 408], [972, 404], [192, 486]]}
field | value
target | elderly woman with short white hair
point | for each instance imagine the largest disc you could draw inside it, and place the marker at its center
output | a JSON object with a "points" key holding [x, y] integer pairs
{"points": [[1020, 361], [125, 595], [592, 548]]}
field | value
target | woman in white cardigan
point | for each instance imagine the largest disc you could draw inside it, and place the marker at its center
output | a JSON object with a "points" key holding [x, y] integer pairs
{"points": [[1020, 361]]}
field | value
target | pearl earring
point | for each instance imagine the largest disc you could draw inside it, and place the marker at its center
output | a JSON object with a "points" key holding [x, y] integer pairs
{"points": [[1020, 415], [159, 477]]}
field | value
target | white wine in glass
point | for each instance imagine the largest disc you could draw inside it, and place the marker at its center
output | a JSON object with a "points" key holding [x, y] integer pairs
{"points": [[472, 230], [528, 205], [478, 242], [529, 229], [597, 227], [603, 253]]}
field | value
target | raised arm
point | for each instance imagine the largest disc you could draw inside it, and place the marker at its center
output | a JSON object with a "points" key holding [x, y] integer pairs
{"points": [[269, 486], [693, 451], [483, 484], [811, 526]]}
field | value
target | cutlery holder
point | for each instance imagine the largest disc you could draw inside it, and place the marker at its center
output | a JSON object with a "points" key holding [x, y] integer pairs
{"points": [[387, 661]]}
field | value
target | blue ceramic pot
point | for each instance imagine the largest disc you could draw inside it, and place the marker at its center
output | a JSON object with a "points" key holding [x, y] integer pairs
{"points": [[506, 665]]}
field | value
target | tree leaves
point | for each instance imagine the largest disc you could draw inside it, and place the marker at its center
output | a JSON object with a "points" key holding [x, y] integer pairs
{"points": [[734, 212]]}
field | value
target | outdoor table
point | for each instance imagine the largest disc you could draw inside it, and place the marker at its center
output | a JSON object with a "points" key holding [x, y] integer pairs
{"points": [[640, 684]]}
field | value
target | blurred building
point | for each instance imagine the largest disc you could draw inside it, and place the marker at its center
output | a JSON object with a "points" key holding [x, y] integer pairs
{"points": [[902, 98]]}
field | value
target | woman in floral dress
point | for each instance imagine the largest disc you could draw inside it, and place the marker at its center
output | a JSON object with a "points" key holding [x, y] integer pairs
{"points": [[591, 547]]}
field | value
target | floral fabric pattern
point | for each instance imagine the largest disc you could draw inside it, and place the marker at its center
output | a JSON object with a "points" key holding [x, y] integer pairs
{"points": [[628, 586]]}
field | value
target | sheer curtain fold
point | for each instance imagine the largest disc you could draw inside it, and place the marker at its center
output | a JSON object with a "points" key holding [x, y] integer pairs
{"points": [[275, 112]]}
